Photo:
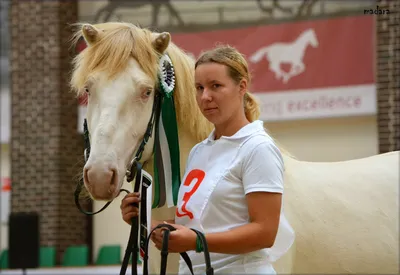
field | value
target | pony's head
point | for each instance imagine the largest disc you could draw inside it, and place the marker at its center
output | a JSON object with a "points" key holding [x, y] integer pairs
{"points": [[118, 70]]}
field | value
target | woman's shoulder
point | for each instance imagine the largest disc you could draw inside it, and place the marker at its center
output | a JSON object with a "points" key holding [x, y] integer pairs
{"points": [[193, 150], [260, 147], [259, 140]]}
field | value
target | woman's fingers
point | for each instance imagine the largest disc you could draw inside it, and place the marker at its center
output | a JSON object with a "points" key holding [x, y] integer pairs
{"points": [[129, 216], [130, 209], [130, 212], [157, 237], [158, 240], [130, 199]]}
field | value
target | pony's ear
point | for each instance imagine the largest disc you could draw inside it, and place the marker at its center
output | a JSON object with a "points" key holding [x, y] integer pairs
{"points": [[90, 33], [161, 41]]}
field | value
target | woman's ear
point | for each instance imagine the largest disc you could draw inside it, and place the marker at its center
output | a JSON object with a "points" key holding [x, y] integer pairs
{"points": [[243, 86]]}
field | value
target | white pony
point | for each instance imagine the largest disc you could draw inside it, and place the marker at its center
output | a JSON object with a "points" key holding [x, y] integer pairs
{"points": [[345, 214], [292, 53]]}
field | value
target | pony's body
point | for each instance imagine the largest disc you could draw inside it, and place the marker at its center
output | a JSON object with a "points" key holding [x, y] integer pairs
{"points": [[344, 213]]}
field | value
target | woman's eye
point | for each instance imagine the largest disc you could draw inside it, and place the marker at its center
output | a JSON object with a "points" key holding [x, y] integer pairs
{"points": [[216, 86]]}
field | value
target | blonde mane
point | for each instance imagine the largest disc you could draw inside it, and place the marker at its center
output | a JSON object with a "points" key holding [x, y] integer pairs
{"points": [[111, 53]]}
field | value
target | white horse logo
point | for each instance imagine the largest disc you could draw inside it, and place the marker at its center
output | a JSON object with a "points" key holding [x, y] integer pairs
{"points": [[293, 53]]}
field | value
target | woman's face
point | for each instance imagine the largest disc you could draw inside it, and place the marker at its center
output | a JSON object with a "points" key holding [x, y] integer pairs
{"points": [[219, 97]]}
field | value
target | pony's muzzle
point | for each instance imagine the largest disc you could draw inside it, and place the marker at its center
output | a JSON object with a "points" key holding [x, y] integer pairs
{"points": [[101, 181]]}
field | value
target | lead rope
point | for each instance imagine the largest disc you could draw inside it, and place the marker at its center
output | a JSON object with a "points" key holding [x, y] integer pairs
{"points": [[132, 247]]}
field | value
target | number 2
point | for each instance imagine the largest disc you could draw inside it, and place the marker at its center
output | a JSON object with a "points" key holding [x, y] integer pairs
{"points": [[195, 174]]}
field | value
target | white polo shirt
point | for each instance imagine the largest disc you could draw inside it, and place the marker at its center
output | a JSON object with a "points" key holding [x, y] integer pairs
{"points": [[218, 176]]}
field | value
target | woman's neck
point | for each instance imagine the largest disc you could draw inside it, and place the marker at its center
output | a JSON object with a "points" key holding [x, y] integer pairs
{"points": [[230, 127]]}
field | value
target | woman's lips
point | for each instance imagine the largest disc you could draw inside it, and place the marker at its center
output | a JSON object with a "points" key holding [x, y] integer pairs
{"points": [[210, 110]]}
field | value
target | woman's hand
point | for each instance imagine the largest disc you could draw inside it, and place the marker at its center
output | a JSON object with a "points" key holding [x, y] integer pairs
{"points": [[129, 211], [181, 240]]}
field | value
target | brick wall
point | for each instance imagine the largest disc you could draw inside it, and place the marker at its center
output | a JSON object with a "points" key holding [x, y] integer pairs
{"points": [[388, 76], [46, 150]]}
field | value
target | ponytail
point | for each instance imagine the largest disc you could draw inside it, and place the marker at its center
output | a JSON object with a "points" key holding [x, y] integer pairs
{"points": [[251, 107]]}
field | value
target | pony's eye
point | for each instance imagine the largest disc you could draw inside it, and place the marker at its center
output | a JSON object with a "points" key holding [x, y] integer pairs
{"points": [[146, 93], [87, 90]]}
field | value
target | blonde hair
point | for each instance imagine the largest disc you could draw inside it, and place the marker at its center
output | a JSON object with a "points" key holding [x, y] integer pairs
{"points": [[238, 70]]}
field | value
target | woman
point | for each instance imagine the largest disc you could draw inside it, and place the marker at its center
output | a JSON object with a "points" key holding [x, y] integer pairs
{"points": [[233, 183]]}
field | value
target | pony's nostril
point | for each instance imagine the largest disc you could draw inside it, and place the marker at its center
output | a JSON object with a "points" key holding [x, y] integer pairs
{"points": [[101, 181], [85, 176], [113, 177]]}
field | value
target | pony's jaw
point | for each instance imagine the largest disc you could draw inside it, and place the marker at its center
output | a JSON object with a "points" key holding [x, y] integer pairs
{"points": [[116, 123]]}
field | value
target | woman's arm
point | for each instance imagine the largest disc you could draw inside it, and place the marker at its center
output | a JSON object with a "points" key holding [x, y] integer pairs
{"points": [[264, 212], [262, 177]]}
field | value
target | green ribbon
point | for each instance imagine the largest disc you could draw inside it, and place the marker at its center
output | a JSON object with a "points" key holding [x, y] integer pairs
{"points": [[156, 195], [166, 182], [171, 130]]}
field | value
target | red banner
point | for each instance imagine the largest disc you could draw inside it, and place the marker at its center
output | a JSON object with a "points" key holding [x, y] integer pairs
{"points": [[321, 53]]}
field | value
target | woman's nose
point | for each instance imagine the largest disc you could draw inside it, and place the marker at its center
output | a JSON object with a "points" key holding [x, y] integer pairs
{"points": [[206, 95]]}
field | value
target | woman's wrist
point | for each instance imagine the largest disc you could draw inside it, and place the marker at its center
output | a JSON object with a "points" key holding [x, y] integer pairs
{"points": [[199, 245], [193, 242]]}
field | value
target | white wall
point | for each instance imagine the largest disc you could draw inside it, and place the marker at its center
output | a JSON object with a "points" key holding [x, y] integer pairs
{"points": [[328, 139], [5, 171], [5, 115]]}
